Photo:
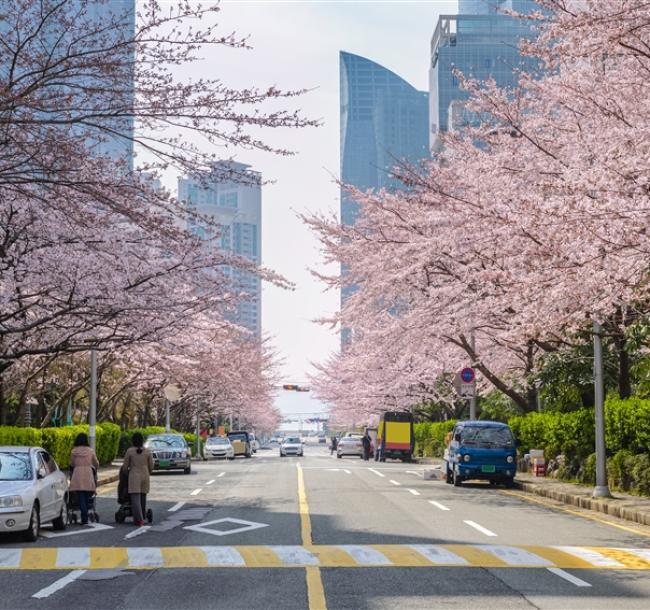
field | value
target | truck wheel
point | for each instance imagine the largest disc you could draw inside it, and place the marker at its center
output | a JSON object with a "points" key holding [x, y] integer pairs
{"points": [[457, 480], [449, 479]]}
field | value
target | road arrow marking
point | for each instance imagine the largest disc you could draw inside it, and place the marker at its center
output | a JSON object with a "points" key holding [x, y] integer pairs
{"points": [[59, 584], [570, 577], [85, 529]]}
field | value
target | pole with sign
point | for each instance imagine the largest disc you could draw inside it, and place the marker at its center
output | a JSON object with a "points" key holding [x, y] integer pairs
{"points": [[465, 386]]}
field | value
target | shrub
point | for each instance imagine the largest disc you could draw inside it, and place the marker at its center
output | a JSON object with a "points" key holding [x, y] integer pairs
{"points": [[430, 437]]}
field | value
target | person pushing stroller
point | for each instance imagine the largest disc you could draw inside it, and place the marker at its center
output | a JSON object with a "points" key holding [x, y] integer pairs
{"points": [[137, 466]]}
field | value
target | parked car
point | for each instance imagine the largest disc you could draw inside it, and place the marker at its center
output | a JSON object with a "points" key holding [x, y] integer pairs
{"points": [[241, 443], [254, 443], [219, 447], [481, 450], [322, 440], [349, 445], [33, 491], [291, 445], [170, 452]]}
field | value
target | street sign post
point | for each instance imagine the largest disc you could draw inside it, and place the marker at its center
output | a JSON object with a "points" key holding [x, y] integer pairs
{"points": [[465, 383]]}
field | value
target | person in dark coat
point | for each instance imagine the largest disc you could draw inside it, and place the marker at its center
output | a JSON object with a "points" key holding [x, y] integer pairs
{"points": [[366, 441], [84, 465], [138, 462], [333, 445]]}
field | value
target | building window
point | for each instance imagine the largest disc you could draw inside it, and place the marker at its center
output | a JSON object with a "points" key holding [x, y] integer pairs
{"points": [[228, 200]]}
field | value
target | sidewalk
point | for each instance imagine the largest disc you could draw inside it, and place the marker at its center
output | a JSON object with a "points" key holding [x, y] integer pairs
{"points": [[621, 505], [108, 474]]}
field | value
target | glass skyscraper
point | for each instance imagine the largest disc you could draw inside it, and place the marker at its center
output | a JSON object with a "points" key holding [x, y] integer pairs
{"points": [[480, 42], [236, 205], [384, 121]]}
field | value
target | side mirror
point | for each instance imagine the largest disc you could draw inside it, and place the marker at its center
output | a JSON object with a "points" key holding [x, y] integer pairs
{"points": [[457, 438], [41, 473]]}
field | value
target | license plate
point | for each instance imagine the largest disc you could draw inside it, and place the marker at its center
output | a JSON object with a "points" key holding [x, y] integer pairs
{"points": [[487, 468], [163, 463]]}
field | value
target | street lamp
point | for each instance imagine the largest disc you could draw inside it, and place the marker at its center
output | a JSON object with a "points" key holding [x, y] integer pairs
{"points": [[172, 393]]}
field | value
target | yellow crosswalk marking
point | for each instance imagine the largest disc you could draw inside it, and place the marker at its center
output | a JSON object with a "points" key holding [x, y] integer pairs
{"points": [[259, 557]]}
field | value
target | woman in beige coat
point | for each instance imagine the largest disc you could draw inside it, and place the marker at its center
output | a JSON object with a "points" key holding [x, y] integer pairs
{"points": [[84, 465], [138, 462]]}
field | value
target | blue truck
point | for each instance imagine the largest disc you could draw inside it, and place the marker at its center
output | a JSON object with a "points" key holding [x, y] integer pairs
{"points": [[484, 450]]}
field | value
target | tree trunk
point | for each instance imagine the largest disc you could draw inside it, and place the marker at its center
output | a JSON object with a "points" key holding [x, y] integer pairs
{"points": [[3, 406], [620, 342]]}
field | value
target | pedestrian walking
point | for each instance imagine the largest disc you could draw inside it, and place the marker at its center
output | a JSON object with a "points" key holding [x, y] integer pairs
{"points": [[366, 441], [333, 445], [84, 465], [138, 462]]}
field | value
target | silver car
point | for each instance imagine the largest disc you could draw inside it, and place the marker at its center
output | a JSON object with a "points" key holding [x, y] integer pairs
{"points": [[219, 447], [170, 452], [349, 445], [291, 445], [33, 490]]}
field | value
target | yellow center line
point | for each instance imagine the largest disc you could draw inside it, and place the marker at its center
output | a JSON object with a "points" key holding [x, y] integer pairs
{"points": [[315, 589], [575, 512]]}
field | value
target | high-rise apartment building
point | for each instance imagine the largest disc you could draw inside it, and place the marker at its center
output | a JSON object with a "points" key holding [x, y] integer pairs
{"points": [[480, 42], [384, 122], [236, 206]]}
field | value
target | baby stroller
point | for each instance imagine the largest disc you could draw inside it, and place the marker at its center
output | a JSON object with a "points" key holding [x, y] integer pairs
{"points": [[124, 500], [74, 510]]}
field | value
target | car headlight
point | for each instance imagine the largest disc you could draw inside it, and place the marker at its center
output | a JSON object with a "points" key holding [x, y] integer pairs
{"points": [[183, 454], [510, 459], [11, 502], [466, 457]]}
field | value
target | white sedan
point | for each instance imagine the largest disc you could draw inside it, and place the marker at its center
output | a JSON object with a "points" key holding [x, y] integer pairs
{"points": [[33, 490], [219, 447], [292, 445]]}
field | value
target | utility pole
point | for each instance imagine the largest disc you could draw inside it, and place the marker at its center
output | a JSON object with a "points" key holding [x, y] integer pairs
{"points": [[602, 489], [167, 416], [92, 416], [472, 399]]}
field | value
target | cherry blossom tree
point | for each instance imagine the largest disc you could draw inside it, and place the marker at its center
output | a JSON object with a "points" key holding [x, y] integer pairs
{"points": [[532, 220]]}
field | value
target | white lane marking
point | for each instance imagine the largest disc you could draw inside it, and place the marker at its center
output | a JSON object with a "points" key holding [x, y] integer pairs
{"points": [[364, 555], [438, 505], [145, 557], [415, 492], [210, 482], [379, 474], [73, 558], [514, 556], [346, 471], [176, 506], [196, 492], [10, 558], [140, 530], [223, 556], [85, 529], [394, 482], [570, 577], [480, 528], [294, 555], [439, 555], [415, 472], [220, 475], [593, 557], [205, 529], [59, 584]]}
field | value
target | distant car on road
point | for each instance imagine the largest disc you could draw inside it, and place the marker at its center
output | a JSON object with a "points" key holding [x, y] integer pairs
{"points": [[241, 443], [219, 447], [170, 452], [33, 490], [349, 445], [292, 445], [322, 440]]}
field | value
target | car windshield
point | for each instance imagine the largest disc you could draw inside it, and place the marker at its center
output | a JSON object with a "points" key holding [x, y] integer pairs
{"points": [[15, 466], [237, 437], [218, 440], [164, 442], [292, 440], [487, 437]]}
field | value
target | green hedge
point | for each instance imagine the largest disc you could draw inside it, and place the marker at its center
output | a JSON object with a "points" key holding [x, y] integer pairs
{"points": [[60, 441], [430, 437]]}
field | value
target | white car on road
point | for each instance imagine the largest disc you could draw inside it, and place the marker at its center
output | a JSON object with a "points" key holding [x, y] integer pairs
{"points": [[292, 445], [33, 490], [219, 447]]}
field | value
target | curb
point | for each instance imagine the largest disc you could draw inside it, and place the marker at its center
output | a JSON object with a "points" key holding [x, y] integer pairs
{"points": [[613, 507], [109, 479]]}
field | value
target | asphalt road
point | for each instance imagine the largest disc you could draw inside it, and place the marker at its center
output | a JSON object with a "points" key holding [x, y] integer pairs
{"points": [[316, 532]]}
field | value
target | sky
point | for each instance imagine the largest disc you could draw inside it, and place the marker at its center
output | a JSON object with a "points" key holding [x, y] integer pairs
{"points": [[296, 45]]}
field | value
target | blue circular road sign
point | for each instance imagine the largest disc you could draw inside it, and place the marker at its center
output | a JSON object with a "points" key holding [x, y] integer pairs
{"points": [[467, 375]]}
